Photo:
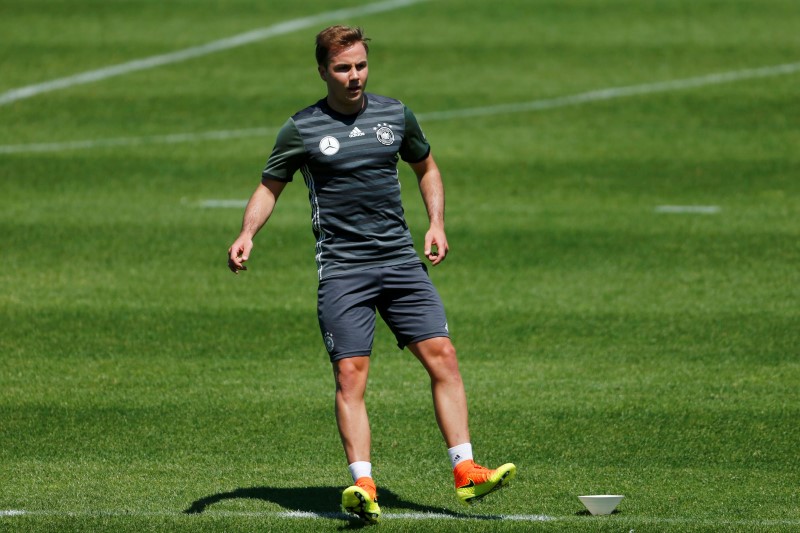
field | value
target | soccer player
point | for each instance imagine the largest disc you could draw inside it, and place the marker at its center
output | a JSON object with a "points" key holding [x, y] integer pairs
{"points": [[347, 147]]}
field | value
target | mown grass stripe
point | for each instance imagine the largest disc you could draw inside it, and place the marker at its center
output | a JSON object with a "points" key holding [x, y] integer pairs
{"points": [[535, 105], [227, 43]]}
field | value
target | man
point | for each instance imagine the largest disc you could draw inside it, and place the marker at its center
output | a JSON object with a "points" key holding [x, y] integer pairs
{"points": [[347, 147]]}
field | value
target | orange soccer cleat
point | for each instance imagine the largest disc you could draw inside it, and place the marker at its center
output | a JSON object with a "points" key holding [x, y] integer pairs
{"points": [[474, 481]]}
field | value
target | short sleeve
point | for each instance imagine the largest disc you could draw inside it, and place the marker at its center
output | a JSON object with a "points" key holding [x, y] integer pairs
{"points": [[287, 156], [415, 146]]}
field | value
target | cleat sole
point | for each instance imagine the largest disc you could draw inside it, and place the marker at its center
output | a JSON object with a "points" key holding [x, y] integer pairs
{"points": [[356, 502]]}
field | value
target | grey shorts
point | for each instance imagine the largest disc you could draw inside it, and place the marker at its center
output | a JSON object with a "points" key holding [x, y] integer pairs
{"points": [[403, 295]]}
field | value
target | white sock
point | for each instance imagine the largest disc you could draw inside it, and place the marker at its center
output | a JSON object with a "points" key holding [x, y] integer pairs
{"points": [[360, 469], [459, 453]]}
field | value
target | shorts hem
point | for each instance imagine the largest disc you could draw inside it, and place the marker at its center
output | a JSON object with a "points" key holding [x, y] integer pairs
{"points": [[347, 355], [424, 337]]}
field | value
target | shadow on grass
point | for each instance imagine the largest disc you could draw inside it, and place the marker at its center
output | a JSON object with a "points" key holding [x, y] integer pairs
{"points": [[324, 502]]}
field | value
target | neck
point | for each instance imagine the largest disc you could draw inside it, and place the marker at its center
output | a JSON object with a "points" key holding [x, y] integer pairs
{"points": [[352, 109]]}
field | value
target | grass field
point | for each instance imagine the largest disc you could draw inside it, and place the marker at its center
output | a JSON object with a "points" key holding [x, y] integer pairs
{"points": [[623, 286]]}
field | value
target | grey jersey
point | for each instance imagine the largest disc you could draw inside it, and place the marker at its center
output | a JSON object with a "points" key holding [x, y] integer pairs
{"points": [[349, 163]]}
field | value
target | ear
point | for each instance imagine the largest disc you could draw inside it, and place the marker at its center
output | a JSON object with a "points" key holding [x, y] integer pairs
{"points": [[323, 72]]}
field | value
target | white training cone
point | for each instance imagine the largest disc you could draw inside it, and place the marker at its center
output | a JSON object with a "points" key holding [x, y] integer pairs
{"points": [[600, 504]]}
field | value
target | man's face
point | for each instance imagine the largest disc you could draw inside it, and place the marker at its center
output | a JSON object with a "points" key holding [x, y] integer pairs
{"points": [[346, 78]]}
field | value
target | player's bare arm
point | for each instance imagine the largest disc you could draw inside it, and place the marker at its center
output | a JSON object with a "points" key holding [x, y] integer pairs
{"points": [[432, 189], [256, 214]]}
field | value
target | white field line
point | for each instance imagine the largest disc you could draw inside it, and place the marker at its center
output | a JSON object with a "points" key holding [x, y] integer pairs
{"points": [[241, 39], [172, 138], [618, 519], [617, 92], [680, 209], [222, 204], [520, 107], [422, 516], [285, 514]]}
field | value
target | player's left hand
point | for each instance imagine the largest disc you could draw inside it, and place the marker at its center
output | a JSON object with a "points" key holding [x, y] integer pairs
{"points": [[436, 247], [238, 253]]}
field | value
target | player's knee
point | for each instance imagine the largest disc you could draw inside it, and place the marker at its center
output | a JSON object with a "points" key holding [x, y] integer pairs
{"points": [[444, 359], [447, 353], [350, 374]]}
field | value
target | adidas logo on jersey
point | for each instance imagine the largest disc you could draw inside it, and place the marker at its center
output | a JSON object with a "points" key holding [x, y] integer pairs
{"points": [[356, 132]]}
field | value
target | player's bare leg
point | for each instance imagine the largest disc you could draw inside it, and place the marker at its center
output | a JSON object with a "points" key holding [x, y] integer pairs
{"points": [[350, 375], [361, 498], [472, 480], [438, 356]]}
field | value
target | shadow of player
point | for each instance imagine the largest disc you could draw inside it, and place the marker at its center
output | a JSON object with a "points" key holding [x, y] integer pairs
{"points": [[324, 502]]}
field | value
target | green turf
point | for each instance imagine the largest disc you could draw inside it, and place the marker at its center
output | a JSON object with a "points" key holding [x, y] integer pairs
{"points": [[606, 347]]}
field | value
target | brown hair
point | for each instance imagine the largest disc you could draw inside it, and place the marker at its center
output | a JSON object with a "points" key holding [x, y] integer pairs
{"points": [[336, 38]]}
